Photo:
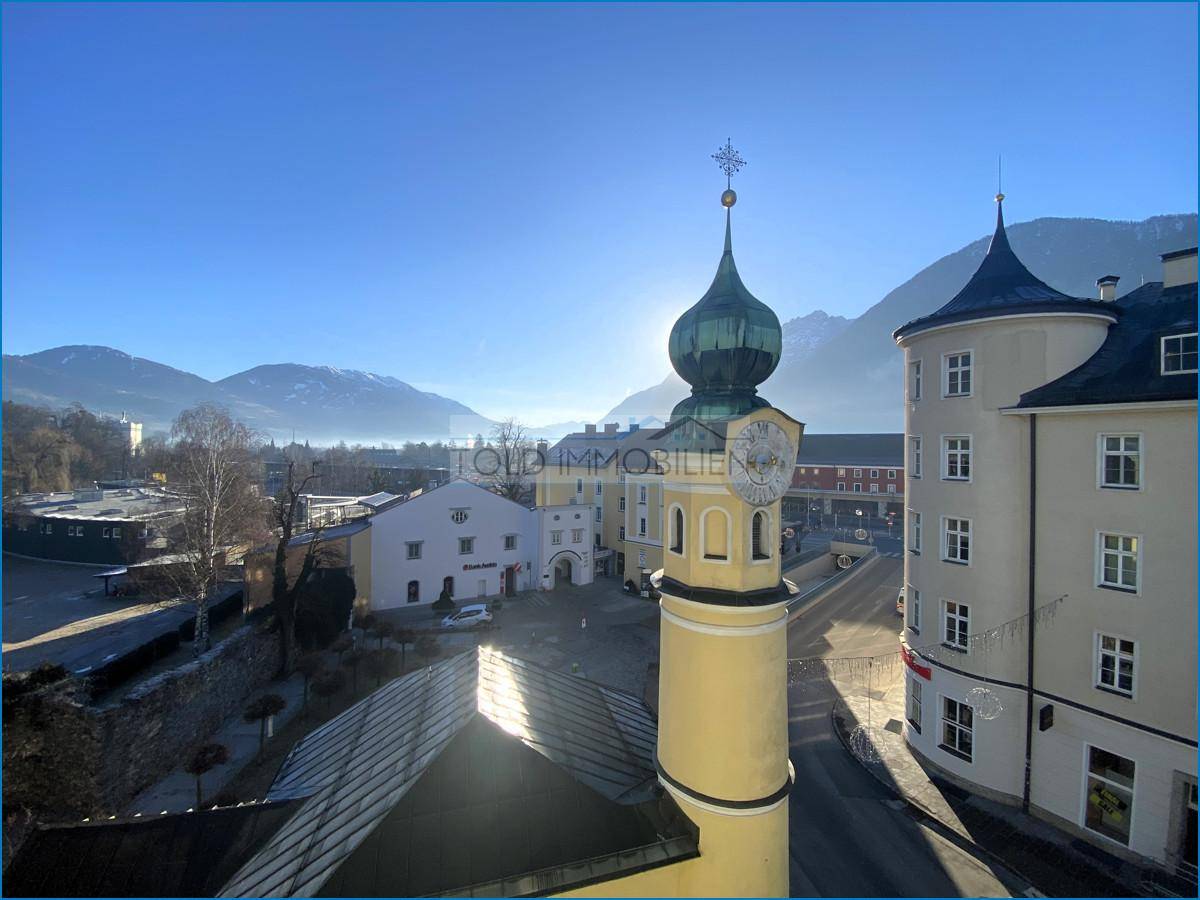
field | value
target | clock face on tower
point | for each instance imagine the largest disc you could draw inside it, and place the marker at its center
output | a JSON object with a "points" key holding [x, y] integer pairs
{"points": [[761, 463]]}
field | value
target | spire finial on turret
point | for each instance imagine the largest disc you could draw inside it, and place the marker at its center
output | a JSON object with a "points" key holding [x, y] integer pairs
{"points": [[730, 342], [730, 162]]}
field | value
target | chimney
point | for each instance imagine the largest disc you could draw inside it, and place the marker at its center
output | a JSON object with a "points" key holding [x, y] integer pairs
{"points": [[542, 447], [1108, 287], [589, 429], [611, 427], [1179, 267]]}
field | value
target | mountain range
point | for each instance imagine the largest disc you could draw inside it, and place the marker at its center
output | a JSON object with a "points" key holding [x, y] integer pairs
{"points": [[322, 403], [849, 378], [836, 374]]}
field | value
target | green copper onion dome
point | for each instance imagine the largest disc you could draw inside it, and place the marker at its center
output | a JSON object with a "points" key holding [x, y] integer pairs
{"points": [[726, 345]]}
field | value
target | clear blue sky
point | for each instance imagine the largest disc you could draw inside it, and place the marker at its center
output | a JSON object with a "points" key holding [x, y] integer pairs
{"points": [[480, 199]]}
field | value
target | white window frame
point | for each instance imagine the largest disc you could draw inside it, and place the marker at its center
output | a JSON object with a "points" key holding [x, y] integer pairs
{"points": [[959, 455], [642, 494], [915, 452], [968, 533], [912, 609], [960, 618], [1083, 794], [1117, 653], [576, 535], [468, 543], [621, 504], [858, 473], [641, 526], [599, 514], [1102, 454], [620, 532], [874, 473], [578, 485], [969, 368], [914, 532], [955, 750], [1122, 554], [874, 488], [599, 487], [891, 489], [914, 380], [841, 486], [510, 542], [841, 471], [912, 708], [555, 538], [857, 488], [1162, 357], [891, 474], [409, 547]]}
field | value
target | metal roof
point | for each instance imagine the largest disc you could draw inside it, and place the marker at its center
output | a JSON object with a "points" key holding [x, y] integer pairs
{"points": [[876, 450], [118, 506], [1002, 286], [181, 855], [353, 771], [1127, 367], [331, 533]]}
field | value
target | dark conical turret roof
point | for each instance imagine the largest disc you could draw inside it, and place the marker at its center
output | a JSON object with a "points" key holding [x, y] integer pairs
{"points": [[1001, 285], [725, 346]]}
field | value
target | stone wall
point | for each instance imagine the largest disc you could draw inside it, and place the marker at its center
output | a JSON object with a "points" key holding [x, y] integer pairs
{"points": [[67, 758]]}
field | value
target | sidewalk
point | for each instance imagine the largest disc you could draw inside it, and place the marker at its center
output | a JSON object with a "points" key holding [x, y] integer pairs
{"points": [[177, 792], [1057, 864]]}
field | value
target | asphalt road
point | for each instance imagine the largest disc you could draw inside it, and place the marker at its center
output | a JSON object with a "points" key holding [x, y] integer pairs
{"points": [[57, 613], [849, 837]]}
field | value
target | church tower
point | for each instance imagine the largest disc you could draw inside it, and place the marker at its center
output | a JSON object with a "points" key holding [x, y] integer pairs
{"points": [[729, 458]]}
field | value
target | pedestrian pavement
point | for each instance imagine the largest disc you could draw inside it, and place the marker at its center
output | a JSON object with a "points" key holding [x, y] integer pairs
{"points": [[177, 791], [869, 721]]}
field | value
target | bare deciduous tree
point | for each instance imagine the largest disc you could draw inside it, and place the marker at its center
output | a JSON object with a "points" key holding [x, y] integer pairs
{"points": [[213, 460], [509, 461], [285, 596]]}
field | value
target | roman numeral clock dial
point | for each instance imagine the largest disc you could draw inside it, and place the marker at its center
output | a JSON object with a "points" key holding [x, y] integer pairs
{"points": [[761, 463]]}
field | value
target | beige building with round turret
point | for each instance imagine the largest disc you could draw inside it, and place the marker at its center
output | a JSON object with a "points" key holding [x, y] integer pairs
{"points": [[1050, 572]]}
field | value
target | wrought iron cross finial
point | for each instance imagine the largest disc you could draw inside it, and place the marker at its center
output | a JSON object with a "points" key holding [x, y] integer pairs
{"points": [[729, 160]]}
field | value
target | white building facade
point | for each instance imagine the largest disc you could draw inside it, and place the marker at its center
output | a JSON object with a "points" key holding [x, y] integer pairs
{"points": [[474, 544], [1054, 511]]}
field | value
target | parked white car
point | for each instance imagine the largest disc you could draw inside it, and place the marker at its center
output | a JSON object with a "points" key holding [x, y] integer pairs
{"points": [[468, 617]]}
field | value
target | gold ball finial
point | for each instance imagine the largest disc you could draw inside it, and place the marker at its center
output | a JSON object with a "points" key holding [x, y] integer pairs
{"points": [[728, 198], [999, 197]]}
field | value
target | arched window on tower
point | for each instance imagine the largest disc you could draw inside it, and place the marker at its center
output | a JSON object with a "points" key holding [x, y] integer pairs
{"points": [[715, 534], [677, 530], [760, 548]]}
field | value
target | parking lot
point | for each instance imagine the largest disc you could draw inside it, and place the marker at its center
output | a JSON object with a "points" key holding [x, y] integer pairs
{"points": [[54, 612]]}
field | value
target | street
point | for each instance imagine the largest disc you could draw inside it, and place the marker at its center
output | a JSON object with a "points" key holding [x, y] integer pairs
{"points": [[849, 837]]}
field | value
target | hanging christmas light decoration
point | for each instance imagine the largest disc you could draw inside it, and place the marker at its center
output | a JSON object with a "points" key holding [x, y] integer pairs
{"points": [[864, 744], [985, 702]]}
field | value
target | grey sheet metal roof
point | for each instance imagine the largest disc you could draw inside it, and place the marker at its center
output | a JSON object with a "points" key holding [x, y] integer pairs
{"points": [[354, 770], [583, 448], [877, 450], [1127, 367], [330, 534], [1002, 286], [380, 499], [182, 855]]}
